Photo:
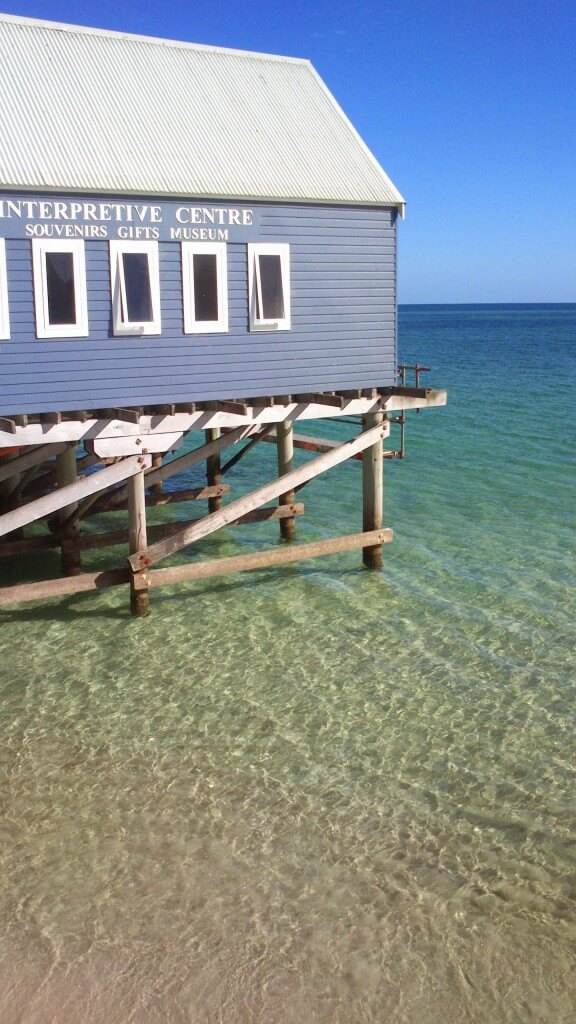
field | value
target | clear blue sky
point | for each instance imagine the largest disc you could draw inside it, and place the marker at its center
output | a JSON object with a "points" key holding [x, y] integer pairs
{"points": [[470, 106]]}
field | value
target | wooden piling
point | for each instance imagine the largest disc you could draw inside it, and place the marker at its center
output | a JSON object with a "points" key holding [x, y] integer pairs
{"points": [[213, 470], [285, 449], [67, 473], [156, 489], [372, 492], [137, 541]]}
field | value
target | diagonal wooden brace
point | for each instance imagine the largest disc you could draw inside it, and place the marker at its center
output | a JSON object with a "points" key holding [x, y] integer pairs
{"points": [[65, 496]]}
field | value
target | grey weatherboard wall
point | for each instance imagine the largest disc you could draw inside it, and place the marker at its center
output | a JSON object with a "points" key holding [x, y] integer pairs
{"points": [[343, 293]]}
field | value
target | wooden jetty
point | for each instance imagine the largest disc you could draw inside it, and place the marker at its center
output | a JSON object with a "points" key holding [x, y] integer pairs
{"points": [[144, 288]]}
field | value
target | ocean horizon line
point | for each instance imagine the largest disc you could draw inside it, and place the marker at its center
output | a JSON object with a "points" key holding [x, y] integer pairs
{"points": [[488, 305]]}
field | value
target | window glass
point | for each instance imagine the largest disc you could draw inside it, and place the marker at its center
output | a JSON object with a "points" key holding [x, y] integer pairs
{"points": [[205, 286], [135, 281], [61, 292], [137, 287], [60, 298], [271, 288]]}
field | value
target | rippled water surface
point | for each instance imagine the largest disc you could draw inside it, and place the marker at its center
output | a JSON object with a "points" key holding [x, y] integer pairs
{"points": [[320, 794]]}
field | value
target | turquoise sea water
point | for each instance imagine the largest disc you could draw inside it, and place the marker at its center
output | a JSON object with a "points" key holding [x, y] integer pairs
{"points": [[320, 794]]}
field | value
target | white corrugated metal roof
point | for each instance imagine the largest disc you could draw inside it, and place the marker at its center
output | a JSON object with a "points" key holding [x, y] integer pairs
{"points": [[90, 110]]}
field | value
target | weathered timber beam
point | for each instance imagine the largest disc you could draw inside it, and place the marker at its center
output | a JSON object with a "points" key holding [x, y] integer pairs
{"points": [[265, 559], [372, 494], [8, 425], [434, 399], [285, 462], [322, 398], [404, 391], [320, 444], [259, 497], [261, 403], [27, 546], [50, 417], [355, 393], [233, 406], [67, 475], [163, 530], [127, 415], [137, 539], [164, 410], [103, 504], [187, 418], [89, 582], [63, 587], [120, 447], [34, 457], [65, 496]]}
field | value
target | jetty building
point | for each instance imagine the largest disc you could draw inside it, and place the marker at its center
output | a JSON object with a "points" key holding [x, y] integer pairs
{"points": [[197, 253]]}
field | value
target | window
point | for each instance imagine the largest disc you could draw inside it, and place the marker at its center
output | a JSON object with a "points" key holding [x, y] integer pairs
{"points": [[4, 318], [205, 287], [60, 288], [269, 287], [135, 283]]}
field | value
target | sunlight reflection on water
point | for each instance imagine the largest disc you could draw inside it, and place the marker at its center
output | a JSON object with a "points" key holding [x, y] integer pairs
{"points": [[315, 794]]}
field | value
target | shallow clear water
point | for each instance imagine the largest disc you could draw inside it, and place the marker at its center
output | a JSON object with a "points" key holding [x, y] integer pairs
{"points": [[320, 794]]}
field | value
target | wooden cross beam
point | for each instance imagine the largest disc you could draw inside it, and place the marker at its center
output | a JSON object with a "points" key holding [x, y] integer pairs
{"points": [[261, 403], [405, 392], [64, 496], [280, 555], [127, 415], [320, 444], [112, 502], [233, 406], [142, 559], [27, 545], [322, 398]]}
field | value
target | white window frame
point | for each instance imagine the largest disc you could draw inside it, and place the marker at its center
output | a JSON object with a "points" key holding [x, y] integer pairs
{"points": [[4, 312], [40, 248], [255, 250], [191, 324], [121, 325]]}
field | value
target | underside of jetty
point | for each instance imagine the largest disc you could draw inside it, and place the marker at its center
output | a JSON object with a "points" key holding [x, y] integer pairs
{"points": [[57, 470]]}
